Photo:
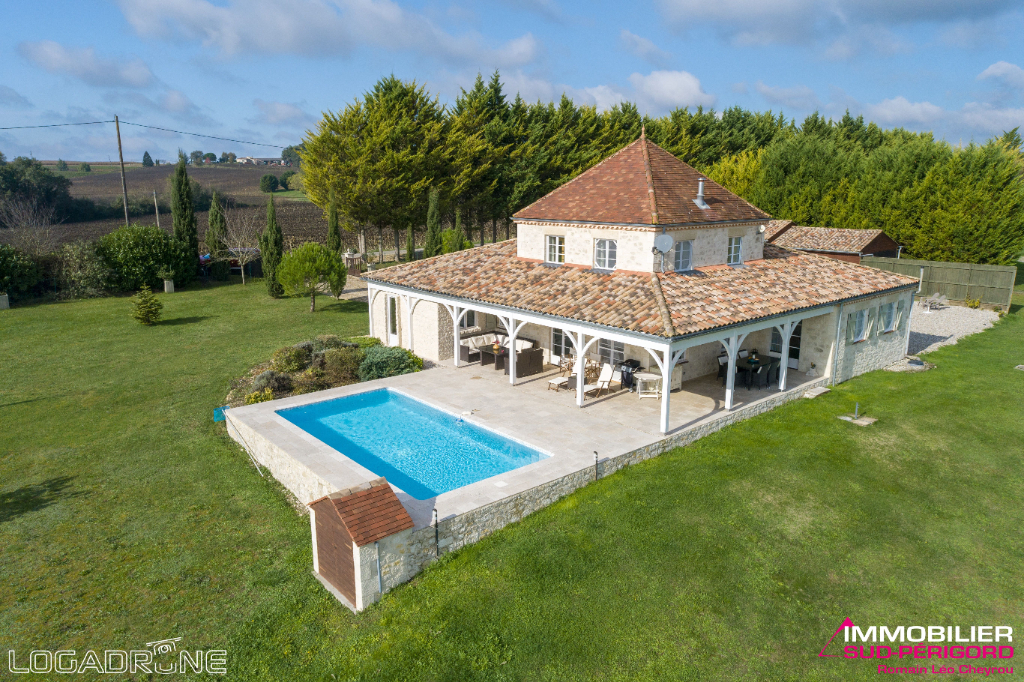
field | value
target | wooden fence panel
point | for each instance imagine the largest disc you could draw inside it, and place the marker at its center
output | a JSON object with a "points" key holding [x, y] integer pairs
{"points": [[991, 284]]}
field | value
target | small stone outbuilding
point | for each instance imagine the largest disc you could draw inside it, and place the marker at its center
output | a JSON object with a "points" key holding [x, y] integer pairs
{"points": [[841, 244]]}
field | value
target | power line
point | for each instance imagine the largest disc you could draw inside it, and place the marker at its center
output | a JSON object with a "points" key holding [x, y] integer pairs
{"points": [[58, 125], [212, 137], [142, 125]]}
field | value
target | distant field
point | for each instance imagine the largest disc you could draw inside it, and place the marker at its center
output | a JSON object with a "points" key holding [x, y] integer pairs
{"points": [[241, 182]]}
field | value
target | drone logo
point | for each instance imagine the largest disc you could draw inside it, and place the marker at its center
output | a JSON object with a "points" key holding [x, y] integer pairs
{"points": [[164, 646]]}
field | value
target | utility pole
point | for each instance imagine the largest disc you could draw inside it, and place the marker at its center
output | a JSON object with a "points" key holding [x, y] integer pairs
{"points": [[157, 207], [120, 155]]}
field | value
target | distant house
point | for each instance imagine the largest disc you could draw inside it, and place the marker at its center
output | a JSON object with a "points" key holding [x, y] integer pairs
{"points": [[845, 245]]}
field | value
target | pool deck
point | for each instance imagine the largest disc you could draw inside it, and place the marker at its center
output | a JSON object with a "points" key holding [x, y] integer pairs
{"points": [[612, 425]]}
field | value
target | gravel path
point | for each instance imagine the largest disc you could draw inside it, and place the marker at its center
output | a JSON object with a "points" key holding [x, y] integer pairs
{"points": [[930, 330]]}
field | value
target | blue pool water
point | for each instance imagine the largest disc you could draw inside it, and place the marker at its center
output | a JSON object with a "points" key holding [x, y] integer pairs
{"points": [[422, 450]]}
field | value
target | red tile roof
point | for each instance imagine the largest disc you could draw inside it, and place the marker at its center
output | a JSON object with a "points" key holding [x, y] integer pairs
{"points": [[783, 281], [370, 513], [826, 239], [773, 228], [619, 190]]}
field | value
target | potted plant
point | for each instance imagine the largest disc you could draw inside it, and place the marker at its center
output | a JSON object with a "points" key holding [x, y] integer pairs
{"points": [[167, 275]]}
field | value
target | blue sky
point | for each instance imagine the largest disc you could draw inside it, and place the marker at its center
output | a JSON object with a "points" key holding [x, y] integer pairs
{"points": [[264, 70]]}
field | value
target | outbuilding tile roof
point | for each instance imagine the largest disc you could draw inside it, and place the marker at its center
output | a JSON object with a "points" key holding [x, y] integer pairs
{"points": [[773, 228], [618, 190], [370, 514], [783, 281], [826, 239]]}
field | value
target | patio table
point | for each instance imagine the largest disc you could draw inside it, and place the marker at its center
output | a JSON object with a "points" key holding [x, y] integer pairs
{"points": [[749, 365], [644, 391], [490, 356]]}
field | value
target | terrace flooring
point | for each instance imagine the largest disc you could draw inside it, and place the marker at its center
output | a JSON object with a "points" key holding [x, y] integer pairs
{"points": [[610, 425]]}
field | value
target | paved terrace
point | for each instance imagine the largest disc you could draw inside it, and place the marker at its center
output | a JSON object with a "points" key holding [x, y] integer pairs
{"points": [[613, 424]]}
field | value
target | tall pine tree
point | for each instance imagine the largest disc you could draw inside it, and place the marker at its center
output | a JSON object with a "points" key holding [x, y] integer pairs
{"points": [[183, 212], [433, 246], [216, 234], [147, 160], [333, 230], [271, 251]]}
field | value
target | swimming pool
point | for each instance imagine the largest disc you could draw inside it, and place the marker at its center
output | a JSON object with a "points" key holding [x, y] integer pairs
{"points": [[418, 448]]}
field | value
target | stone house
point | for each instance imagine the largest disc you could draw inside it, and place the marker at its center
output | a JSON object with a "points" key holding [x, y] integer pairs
{"points": [[841, 244], [641, 258]]}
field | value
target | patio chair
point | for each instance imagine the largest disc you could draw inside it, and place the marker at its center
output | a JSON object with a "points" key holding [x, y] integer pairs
{"points": [[603, 381], [743, 354], [773, 373], [759, 377], [723, 368]]}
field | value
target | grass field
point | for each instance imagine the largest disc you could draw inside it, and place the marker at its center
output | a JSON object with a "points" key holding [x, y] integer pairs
{"points": [[127, 516]]}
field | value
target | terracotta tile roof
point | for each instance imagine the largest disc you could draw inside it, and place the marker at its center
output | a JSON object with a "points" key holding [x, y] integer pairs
{"points": [[618, 190], [784, 281], [370, 513], [774, 228], [826, 239]]}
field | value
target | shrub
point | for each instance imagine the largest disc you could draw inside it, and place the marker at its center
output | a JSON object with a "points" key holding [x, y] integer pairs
{"points": [[268, 183], [386, 361], [80, 272], [135, 255], [309, 381], [18, 273], [286, 178], [973, 303], [291, 359], [325, 342], [85, 168], [273, 381], [364, 341], [341, 365], [145, 306], [62, 165], [259, 396]]}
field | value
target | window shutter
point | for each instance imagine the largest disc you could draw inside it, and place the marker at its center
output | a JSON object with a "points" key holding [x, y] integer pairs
{"points": [[900, 307], [870, 325], [851, 324]]}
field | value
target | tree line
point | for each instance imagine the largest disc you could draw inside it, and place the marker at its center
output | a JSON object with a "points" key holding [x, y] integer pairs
{"points": [[378, 161]]}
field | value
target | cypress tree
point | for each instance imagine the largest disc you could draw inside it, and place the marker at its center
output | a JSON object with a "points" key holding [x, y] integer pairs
{"points": [[271, 251], [410, 244], [216, 233], [433, 246], [184, 217], [460, 233], [147, 160], [333, 231]]}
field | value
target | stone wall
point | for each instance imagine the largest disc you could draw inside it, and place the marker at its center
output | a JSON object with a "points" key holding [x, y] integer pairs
{"points": [[877, 350], [817, 337], [404, 554]]}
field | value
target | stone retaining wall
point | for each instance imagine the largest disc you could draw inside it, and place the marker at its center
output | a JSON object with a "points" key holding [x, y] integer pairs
{"points": [[405, 554]]}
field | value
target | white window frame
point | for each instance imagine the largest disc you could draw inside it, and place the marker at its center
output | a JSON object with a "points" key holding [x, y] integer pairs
{"points": [[605, 262], [554, 248], [560, 343], [860, 325], [886, 326], [681, 264], [468, 320], [734, 253], [613, 352]]}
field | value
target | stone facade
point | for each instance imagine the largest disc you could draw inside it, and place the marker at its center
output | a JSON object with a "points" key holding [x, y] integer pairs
{"points": [[634, 245], [879, 349]]}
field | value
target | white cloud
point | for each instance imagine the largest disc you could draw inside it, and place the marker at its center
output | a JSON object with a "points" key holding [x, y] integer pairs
{"points": [[317, 28], [12, 99], [799, 97], [844, 27], [545, 8], [281, 113], [644, 49], [663, 90], [1006, 73], [989, 119], [604, 97], [84, 64], [899, 111]]}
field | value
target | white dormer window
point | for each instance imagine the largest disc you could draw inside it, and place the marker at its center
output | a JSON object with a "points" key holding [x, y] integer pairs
{"points": [[604, 254], [735, 256], [684, 256], [555, 252]]}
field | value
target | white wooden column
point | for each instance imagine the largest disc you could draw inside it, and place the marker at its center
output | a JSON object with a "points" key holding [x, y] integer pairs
{"points": [[407, 314], [732, 347], [580, 343], [786, 332], [370, 294], [666, 361], [513, 327]]}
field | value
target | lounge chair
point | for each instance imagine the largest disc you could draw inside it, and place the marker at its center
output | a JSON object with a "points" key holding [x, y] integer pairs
{"points": [[557, 383], [603, 381]]}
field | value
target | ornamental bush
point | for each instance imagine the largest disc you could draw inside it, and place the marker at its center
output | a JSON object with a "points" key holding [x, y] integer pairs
{"points": [[364, 341], [135, 255], [380, 362], [341, 365], [18, 273], [291, 359], [80, 272], [268, 183], [272, 380], [259, 396], [145, 306]]}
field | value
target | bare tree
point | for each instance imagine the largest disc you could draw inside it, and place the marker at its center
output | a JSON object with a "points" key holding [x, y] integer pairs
{"points": [[243, 235], [29, 226]]}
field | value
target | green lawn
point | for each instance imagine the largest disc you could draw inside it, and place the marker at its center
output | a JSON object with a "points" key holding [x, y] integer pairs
{"points": [[293, 194], [127, 516]]}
